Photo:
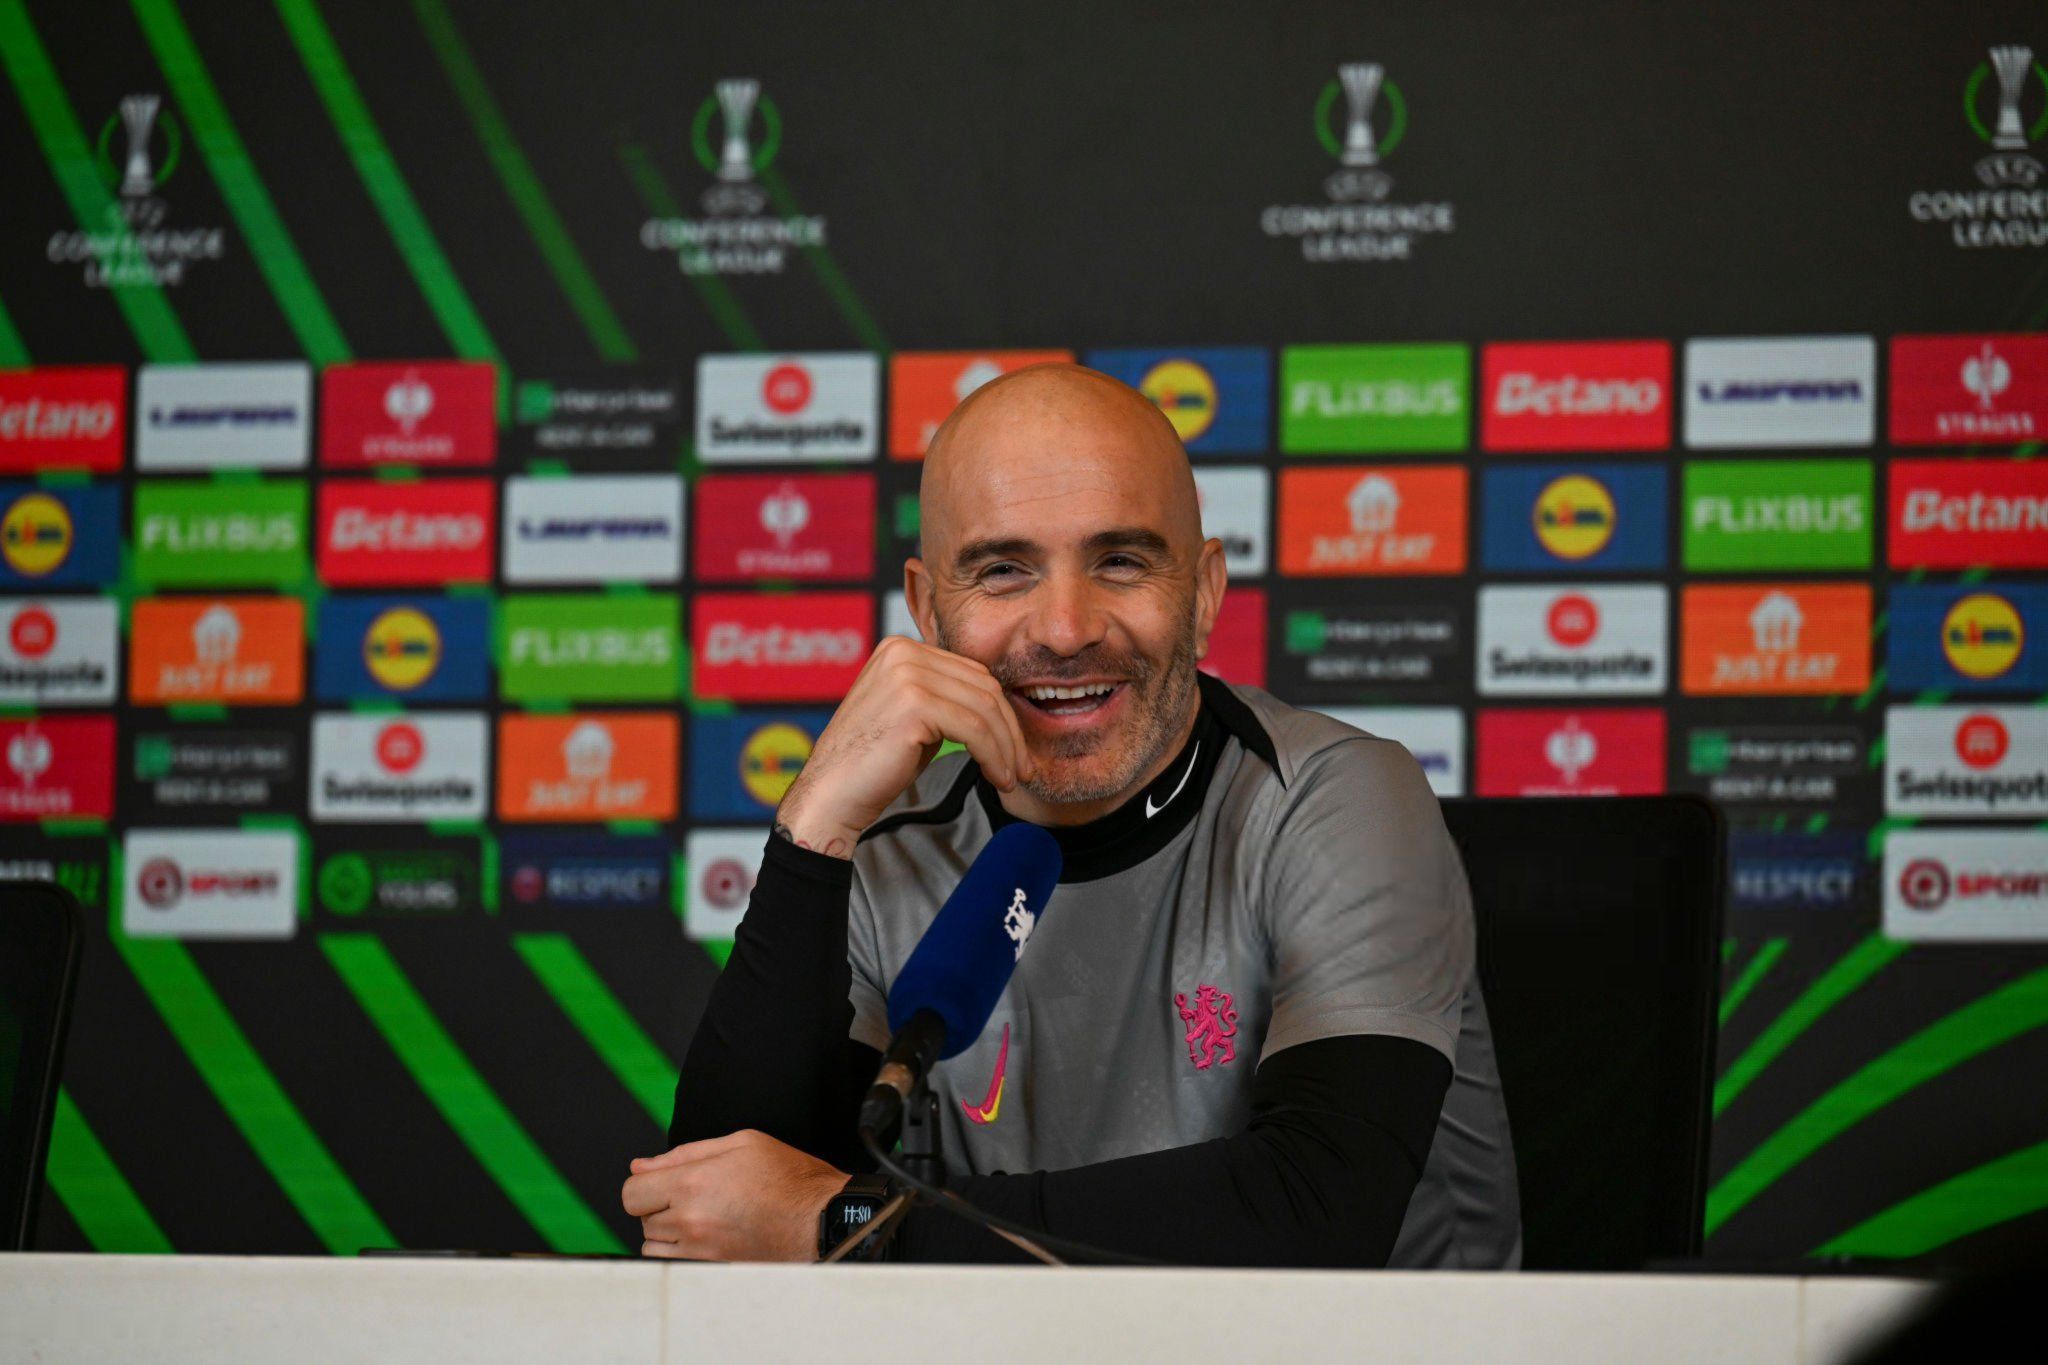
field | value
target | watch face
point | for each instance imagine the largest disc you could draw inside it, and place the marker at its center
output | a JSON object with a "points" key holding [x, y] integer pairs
{"points": [[855, 1210]]}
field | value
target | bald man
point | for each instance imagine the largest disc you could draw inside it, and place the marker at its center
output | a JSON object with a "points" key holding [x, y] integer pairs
{"points": [[1248, 1031]]}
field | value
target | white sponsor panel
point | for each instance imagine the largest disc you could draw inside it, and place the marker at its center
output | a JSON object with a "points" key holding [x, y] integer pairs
{"points": [[1572, 641], [1966, 885], [896, 617], [1780, 391], [1234, 512], [210, 883], [789, 407], [1435, 735], [253, 416], [58, 651], [1966, 760], [400, 767], [722, 864], [625, 528]]}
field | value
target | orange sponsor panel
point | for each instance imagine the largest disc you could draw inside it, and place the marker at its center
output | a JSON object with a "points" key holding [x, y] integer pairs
{"points": [[1360, 520], [925, 387], [1776, 639], [599, 766], [241, 651]]}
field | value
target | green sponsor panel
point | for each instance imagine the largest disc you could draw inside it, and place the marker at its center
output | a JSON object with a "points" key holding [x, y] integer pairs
{"points": [[560, 647], [1779, 514], [1347, 400], [206, 534]]}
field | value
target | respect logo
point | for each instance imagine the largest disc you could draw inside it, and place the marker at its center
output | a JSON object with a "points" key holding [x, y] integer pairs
{"points": [[1778, 514], [1374, 399], [1218, 398], [1776, 639], [597, 647], [1338, 522], [614, 766], [925, 387], [248, 651], [221, 535]]}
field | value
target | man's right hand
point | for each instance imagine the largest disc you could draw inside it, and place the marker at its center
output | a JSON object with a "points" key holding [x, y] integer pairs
{"points": [[909, 699]]}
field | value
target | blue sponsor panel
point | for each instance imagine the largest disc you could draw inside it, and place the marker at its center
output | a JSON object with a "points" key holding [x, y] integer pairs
{"points": [[1968, 637], [59, 537], [1219, 398], [1820, 871], [585, 872], [1565, 518], [740, 765], [407, 648]]}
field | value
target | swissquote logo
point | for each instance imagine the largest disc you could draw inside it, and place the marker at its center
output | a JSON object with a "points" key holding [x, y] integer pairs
{"points": [[1966, 760], [411, 767], [1979, 885], [1987, 389], [1780, 391], [1361, 120], [210, 883], [806, 647], [788, 407], [248, 416], [58, 651], [63, 417], [735, 135], [424, 532], [138, 150], [57, 768], [1959, 514], [1576, 395], [594, 528], [798, 526], [419, 412], [1590, 641], [2005, 105]]}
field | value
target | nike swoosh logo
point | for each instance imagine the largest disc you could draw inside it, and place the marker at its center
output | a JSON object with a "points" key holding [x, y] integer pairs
{"points": [[993, 1103], [1152, 810]]}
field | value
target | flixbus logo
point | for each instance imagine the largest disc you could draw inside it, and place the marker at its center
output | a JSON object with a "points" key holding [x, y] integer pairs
{"points": [[1374, 399]]}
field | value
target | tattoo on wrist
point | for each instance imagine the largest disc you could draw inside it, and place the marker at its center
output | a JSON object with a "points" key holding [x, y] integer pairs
{"points": [[835, 847]]}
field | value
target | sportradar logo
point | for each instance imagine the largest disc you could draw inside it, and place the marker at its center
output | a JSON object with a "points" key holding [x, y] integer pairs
{"points": [[402, 648], [1982, 636], [2005, 104], [1574, 517]]}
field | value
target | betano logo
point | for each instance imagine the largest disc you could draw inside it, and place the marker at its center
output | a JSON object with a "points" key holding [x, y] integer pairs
{"points": [[1956, 514], [1574, 516], [1776, 639], [615, 766], [1576, 395], [806, 647], [770, 760], [402, 648], [1338, 522], [63, 417], [420, 533], [244, 650], [36, 535], [1983, 636]]}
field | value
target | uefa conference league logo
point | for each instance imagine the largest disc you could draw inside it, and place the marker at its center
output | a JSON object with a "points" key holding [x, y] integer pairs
{"points": [[138, 149], [2009, 208], [738, 234]]}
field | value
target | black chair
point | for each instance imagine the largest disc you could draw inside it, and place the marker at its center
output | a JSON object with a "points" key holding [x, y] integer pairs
{"points": [[1599, 927], [41, 930]]}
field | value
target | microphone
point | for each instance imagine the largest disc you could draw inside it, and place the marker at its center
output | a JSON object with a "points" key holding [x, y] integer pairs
{"points": [[942, 998]]}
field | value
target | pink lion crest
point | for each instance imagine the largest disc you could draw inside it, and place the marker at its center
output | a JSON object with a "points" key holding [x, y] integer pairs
{"points": [[1212, 1023]]}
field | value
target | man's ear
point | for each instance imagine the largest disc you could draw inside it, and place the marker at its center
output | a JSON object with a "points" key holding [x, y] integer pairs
{"points": [[918, 596], [1210, 580]]}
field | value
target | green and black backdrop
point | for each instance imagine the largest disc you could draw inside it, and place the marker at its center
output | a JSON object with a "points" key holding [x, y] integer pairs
{"points": [[453, 454]]}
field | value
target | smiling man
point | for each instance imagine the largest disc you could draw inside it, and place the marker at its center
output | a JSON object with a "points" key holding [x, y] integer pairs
{"points": [[1249, 1030]]}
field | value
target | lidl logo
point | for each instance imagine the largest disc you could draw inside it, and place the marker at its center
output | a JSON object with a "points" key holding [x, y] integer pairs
{"points": [[1775, 639], [596, 647], [221, 535], [1573, 518], [1387, 520], [411, 648], [1373, 399], [245, 651], [1983, 636], [612, 766], [1219, 398], [36, 535], [741, 765], [1957, 637], [1778, 514], [59, 536], [402, 648], [925, 387]]}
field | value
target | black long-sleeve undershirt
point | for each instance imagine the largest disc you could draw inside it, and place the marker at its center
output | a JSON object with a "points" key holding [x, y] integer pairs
{"points": [[1321, 1175]]}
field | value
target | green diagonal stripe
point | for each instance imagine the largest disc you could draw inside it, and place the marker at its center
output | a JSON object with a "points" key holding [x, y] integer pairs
{"points": [[1976, 1027], [71, 162], [524, 187], [654, 194], [1752, 972], [476, 1114], [93, 1190], [2011, 1187], [829, 274], [1856, 966], [618, 1039], [13, 353], [276, 255]]}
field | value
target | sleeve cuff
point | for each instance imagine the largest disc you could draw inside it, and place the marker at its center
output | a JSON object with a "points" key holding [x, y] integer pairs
{"points": [[836, 873]]}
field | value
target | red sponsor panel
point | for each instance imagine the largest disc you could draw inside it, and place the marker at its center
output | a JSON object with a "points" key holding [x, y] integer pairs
{"points": [[425, 532], [63, 417], [1984, 389], [1960, 514], [57, 768], [411, 412], [1576, 395], [799, 526], [1237, 646], [1571, 752], [760, 647]]}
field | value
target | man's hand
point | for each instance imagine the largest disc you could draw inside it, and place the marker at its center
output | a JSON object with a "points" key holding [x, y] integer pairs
{"points": [[741, 1197], [908, 699]]}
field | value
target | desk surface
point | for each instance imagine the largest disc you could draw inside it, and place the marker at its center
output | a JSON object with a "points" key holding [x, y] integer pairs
{"points": [[217, 1308]]}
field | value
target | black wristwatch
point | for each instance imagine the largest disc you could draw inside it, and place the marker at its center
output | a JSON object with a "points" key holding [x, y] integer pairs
{"points": [[848, 1212]]}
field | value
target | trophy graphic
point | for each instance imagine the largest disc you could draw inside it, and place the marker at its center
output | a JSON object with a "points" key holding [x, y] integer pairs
{"points": [[736, 102], [2012, 63], [138, 114], [1361, 82]]}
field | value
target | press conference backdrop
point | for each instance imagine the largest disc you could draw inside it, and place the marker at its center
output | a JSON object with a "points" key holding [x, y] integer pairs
{"points": [[455, 455]]}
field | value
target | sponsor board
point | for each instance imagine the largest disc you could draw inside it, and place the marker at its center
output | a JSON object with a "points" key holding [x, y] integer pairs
{"points": [[192, 769], [1219, 398], [805, 647], [1342, 400], [59, 537], [594, 528], [1237, 643], [438, 877], [58, 651], [220, 535], [1777, 765], [1799, 872], [405, 648], [596, 647], [1778, 514], [421, 412], [1775, 639], [1571, 753], [1434, 735], [1963, 514], [1983, 389], [925, 387], [1591, 518], [1336, 648], [130, 239], [1234, 506], [57, 768], [237, 416], [723, 865], [375, 534], [586, 872], [1575, 395], [788, 407], [1780, 391], [242, 651], [616, 765], [423, 766], [209, 883], [740, 765], [76, 863], [1976, 637], [626, 414], [1357, 521], [1583, 641], [802, 527], [1966, 885], [1966, 760], [63, 417]]}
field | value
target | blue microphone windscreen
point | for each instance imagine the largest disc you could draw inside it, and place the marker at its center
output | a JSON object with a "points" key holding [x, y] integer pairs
{"points": [[959, 968]]}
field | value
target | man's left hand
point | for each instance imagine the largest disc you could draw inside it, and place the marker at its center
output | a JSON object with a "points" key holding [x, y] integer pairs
{"points": [[741, 1197]]}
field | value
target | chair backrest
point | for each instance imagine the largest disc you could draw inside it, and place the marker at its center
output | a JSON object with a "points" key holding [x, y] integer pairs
{"points": [[40, 937], [1599, 923]]}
